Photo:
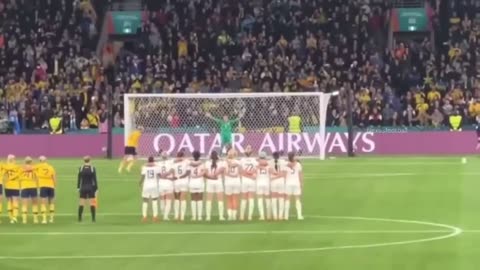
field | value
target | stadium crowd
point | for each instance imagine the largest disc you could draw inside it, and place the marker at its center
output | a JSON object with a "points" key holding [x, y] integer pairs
{"points": [[48, 65]]}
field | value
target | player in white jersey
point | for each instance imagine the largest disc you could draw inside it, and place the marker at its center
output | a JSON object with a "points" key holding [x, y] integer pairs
{"points": [[249, 177], [277, 186], [233, 183], [180, 186], [196, 186], [293, 185], [149, 185], [214, 185], [165, 184], [263, 186]]}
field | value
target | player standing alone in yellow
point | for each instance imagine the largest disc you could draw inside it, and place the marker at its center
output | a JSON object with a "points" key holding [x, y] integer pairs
{"points": [[29, 190], [11, 174], [131, 150], [47, 181]]}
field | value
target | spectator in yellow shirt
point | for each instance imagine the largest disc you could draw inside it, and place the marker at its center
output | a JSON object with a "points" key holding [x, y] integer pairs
{"points": [[433, 95], [182, 47]]}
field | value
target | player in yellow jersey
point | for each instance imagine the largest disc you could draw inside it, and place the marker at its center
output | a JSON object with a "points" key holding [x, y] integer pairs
{"points": [[47, 181], [131, 149], [11, 173], [1, 190], [29, 190]]}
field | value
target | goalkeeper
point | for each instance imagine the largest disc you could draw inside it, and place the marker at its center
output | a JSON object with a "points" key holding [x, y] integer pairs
{"points": [[226, 127]]}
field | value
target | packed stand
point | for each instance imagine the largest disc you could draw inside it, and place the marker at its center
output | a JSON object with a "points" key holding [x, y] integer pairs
{"points": [[255, 46], [47, 63]]}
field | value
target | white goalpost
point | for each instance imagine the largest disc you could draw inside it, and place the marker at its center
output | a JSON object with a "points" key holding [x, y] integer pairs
{"points": [[174, 122]]}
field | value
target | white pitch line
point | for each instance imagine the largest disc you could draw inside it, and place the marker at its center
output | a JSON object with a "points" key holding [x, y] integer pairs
{"points": [[454, 231], [105, 233]]}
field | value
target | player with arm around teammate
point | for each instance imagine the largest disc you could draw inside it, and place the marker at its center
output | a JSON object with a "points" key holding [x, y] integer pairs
{"points": [[196, 186], [165, 184], [150, 190], [277, 186], [233, 183], [249, 177], [293, 186], [47, 180], [29, 190], [214, 185], [11, 180], [263, 186], [180, 186]]}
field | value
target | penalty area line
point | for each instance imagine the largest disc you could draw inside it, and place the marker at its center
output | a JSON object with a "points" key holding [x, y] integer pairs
{"points": [[246, 232]]}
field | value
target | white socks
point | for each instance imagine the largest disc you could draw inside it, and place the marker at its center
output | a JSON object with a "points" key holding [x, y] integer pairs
{"points": [[162, 205], [168, 206], [298, 205], [193, 206], [251, 206], [287, 209], [144, 209], [183, 209], [208, 208], [243, 207], [155, 208], [281, 208], [260, 209], [268, 207], [275, 208], [176, 209], [199, 210], [221, 211]]}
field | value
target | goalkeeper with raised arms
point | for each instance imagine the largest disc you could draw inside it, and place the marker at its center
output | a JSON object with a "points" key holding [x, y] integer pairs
{"points": [[226, 127]]}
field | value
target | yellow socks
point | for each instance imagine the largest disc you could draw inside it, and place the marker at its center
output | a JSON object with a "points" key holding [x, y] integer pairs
{"points": [[24, 214], [15, 210], [129, 166], [52, 212], [120, 168], [35, 213], [10, 209]]}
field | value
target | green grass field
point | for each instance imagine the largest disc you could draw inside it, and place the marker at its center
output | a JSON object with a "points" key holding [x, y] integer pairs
{"points": [[363, 213]]}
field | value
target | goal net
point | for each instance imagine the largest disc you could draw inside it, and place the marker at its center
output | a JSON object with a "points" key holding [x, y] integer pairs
{"points": [[269, 122]]}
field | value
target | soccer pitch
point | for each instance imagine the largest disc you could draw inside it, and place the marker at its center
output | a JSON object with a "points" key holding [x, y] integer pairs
{"points": [[362, 213]]}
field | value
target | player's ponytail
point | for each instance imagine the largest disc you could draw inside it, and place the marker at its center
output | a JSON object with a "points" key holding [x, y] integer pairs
{"points": [[276, 156], [214, 157]]}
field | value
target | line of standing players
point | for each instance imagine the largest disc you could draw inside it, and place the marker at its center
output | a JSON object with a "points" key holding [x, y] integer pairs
{"points": [[28, 187], [273, 182]]}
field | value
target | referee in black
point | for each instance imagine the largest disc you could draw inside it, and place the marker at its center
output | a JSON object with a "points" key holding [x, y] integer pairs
{"points": [[87, 186]]}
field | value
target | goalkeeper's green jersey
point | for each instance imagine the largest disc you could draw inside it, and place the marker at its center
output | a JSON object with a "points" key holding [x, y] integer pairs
{"points": [[226, 127]]}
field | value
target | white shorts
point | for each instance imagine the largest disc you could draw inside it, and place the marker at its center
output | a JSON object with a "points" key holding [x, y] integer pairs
{"points": [[248, 185], [263, 187], [214, 186], [196, 185], [181, 185], [165, 187], [278, 186], [233, 186], [293, 189], [150, 192]]}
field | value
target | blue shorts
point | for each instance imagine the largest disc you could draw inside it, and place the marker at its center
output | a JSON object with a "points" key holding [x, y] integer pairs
{"points": [[29, 193], [47, 192], [9, 193]]}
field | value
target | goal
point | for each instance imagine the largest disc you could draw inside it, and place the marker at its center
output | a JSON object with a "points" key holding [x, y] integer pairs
{"points": [[266, 122]]}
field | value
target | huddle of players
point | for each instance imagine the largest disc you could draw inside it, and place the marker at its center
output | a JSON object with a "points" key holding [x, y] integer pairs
{"points": [[24, 184], [273, 182]]}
